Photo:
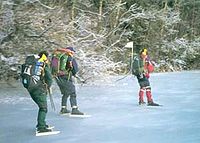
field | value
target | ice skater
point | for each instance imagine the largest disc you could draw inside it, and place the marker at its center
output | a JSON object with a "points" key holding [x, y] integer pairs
{"points": [[141, 68]]}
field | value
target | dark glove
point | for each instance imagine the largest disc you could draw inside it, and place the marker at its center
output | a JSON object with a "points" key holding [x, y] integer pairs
{"points": [[35, 78], [83, 81]]}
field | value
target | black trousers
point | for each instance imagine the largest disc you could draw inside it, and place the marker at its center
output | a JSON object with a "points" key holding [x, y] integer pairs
{"points": [[143, 81], [67, 89]]}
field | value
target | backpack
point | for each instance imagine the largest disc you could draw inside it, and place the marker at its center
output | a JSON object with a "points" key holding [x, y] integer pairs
{"points": [[136, 66], [31, 72], [59, 62]]}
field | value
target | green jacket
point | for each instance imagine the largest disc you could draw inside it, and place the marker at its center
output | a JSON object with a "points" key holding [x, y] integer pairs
{"points": [[48, 79]]}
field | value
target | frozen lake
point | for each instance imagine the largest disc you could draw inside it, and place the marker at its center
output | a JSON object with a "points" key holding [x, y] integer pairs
{"points": [[116, 116]]}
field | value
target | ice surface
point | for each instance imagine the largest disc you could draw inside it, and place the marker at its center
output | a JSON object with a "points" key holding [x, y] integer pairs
{"points": [[116, 116]]}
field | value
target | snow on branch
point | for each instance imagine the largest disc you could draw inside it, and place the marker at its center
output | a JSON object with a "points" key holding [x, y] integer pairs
{"points": [[34, 1]]}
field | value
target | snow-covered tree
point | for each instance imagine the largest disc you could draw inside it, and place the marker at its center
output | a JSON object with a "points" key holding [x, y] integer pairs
{"points": [[99, 30]]}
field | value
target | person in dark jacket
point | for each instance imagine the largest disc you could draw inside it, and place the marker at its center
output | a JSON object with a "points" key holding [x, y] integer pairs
{"points": [[67, 86], [38, 93], [145, 67]]}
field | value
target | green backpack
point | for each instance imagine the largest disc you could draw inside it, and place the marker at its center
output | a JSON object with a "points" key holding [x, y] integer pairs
{"points": [[58, 63], [137, 66]]}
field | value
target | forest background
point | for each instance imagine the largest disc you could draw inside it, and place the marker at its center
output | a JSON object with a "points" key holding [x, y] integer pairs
{"points": [[99, 31]]}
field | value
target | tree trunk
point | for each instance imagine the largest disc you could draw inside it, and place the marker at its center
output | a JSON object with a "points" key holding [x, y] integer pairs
{"points": [[100, 15], [193, 20], [117, 15], [164, 11], [73, 10]]}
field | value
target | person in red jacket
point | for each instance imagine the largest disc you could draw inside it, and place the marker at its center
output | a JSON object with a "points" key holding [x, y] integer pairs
{"points": [[146, 67]]}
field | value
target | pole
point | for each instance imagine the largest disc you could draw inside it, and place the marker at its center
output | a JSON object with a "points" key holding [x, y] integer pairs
{"points": [[128, 45], [51, 99], [132, 57]]}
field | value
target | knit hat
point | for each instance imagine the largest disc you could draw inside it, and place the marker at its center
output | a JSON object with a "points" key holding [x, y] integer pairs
{"points": [[43, 56], [71, 49], [144, 51], [43, 52]]}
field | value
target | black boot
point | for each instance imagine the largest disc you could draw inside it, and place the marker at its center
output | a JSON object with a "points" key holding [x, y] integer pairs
{"points": [[47, 126], [152, 104], [42, 130], [142, 102], [64, 111], [75, 111]]}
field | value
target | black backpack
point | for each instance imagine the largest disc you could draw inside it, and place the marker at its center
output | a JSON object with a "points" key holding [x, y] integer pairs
{"points": [[28, 71]]}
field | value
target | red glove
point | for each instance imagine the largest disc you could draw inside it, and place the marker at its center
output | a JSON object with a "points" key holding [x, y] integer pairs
{"points": [[147, 75]]}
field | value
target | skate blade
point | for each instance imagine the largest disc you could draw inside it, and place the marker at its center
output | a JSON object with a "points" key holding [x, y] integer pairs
{"points": [[65, 114], [47, 133], [79, 116]]}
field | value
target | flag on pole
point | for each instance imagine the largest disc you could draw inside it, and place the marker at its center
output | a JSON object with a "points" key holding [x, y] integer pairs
{"points": [[129, 45]]}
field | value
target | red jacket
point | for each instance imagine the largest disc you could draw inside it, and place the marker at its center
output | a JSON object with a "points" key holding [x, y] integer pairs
{"points": [[148, 67]]}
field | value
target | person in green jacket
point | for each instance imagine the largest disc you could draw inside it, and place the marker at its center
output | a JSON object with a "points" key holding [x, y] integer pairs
{"points": [[141, 69], [38, 93], [66, 85]]}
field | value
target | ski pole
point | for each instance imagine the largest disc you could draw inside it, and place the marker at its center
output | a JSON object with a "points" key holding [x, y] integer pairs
{"points": [[51, 99], [122, 78]]}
